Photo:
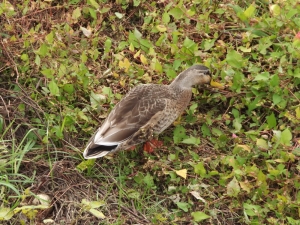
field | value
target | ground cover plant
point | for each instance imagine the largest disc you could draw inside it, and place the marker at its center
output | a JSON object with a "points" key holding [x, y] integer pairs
{"points": [[231, 158]]}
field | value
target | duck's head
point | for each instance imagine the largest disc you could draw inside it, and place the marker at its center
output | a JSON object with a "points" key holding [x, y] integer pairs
{"points": [[195, 75]]}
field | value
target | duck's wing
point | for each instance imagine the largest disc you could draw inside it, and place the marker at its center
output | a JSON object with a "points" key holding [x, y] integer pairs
{"points": [[133, 112]]}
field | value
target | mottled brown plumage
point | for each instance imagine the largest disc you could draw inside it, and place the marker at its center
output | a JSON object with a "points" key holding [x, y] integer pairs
{"points": [[146, 110]]}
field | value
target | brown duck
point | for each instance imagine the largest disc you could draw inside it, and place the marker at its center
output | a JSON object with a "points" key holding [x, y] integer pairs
{"points": [[146, 110]]}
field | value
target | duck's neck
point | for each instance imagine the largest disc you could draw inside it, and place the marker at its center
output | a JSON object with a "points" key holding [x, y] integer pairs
{"points": [[182, 82]]}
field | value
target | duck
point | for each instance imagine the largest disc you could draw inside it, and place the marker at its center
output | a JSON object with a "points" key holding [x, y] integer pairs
{"points": [[146, 110]]}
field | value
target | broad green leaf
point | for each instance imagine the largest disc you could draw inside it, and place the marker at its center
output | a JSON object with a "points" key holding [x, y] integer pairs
{"points": [[69, 88], [191, 140], [274, 80], [208, 44], [94, 3], [76, 13], [86, 164], [199, 169], [5, 213], [136, 3], [97, 213], [137, 34], [93, 13], [54, 90], [271, 120], [199, 216], [148, 180], [262, 76], [237, 123], [176, 13], [24, 57], [96, 99], [107, 45], [133, 194], [104, 10], [276, 99], [262, 143], [50, 37], [286, 137], [233, 188], [43, 50], [235, 59], [275, 10], [82, 116], [188, 43], [37, 60], [183, 205], [249, 12], [205, 130], [297, 110], [161, 28], [165, 18], [179, 134], [119, 15]]}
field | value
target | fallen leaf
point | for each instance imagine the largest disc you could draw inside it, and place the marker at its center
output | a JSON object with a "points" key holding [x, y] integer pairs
{"points": [[86, 32], [197, 196], [181, 173], [216, 84], [125, 64]]}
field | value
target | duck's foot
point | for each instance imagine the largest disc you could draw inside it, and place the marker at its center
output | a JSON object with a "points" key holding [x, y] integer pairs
{"points": [[149, 146]]}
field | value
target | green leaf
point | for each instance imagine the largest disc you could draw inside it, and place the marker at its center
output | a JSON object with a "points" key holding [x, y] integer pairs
{"points": [[192, 140], [249, 12], [24, 57], [199, 216], [262, 76], [104, 10], [176, 13], [96, 99], [93, 13], [119, 15], [148, 180], [271, 120], [133, 194], [137, 34], [235, 59], [97, 213], [69, 88], [237, 123], [205, 130], [136, 3], [50, 37], [274, 82], [179, 134], [5, 213], [275, 10], [94, 3], [165, 18], [297, 110], [183, 205], [76, 13], [86, 164], [276, 99], [286, 137], [43, 50], [107, 45], [199, 169], [161, 28], [208, 44], [54, 90], [233, 188], [262, 143], [188, 43]]}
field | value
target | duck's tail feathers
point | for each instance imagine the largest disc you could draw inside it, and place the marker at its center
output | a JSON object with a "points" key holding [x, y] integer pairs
{"points": [[94, 151]]}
